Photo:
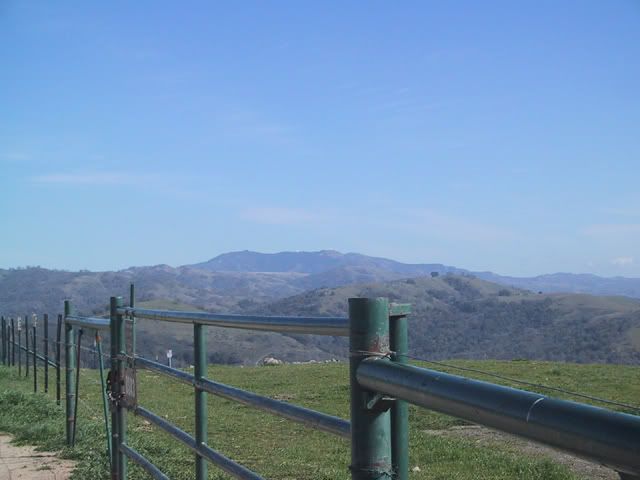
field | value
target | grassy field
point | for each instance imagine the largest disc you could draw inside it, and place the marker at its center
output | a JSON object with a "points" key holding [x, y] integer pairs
{"points": [[278, 449]]}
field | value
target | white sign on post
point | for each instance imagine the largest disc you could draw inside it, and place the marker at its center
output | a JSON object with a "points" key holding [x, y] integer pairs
{"points": [[169, 355]]}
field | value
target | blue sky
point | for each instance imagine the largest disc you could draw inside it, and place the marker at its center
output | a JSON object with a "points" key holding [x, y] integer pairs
{"points": [[494, 135]]}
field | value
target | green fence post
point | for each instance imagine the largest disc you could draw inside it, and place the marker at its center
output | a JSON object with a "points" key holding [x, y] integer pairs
{"points": [[69, 360], [200, 360], [399, 343], [13, 343], [19, 347], [118, 378], [370, 420], [35, 360], [111, 379], [58, 357], [46, 353], [26, 343]]}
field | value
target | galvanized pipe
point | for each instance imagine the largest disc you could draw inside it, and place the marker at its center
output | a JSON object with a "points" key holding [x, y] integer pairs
{"points": [[88, 322], [305, 416], [148, 467], [332, 326], [46, 353], [597, 434], [229, 466]]}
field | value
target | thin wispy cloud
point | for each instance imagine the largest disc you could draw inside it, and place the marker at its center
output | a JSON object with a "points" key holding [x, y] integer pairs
{"points": [[92, 178], [623, 261]]}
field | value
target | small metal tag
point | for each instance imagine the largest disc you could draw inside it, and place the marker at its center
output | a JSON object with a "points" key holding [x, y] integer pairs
{"points": [[129, 387]]}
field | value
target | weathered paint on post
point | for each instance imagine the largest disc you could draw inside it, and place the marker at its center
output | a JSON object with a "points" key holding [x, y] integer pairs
{"points": [[399, 344], [370, 424], [200, 372], [46, 353], [69, 360]]}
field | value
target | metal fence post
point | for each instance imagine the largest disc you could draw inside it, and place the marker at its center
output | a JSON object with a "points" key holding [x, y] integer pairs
{"points": [[69, 360], [13, 343], [35, 360], [399, 343], [370, 420], [19, 347], [58, 357], [26, 343], [200, 360], [46, 353], [111, 379], [118, 364]]}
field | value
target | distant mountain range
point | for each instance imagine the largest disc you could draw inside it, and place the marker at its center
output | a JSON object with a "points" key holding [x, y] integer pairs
{"points": [[331, 268], [457, 313]]}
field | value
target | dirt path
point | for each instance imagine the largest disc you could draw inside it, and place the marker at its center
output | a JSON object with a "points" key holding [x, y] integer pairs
{"points": [[483, 436], [25, 463]]}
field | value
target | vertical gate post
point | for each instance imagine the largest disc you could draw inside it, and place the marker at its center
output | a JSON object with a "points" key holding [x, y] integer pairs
{"points": [[34, 345], [13, 343], [112, 379], [46, 353], [200, 371], [26, 343], [19, 347], [58, 357], [370, 423], [399, 343], [117, 380], [69, 360]]}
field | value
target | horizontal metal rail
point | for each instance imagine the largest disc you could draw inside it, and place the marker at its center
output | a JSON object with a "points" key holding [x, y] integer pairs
{"points": [[601, 435], [232, 468], [88, 322], [305, 416], [332, 326], [149, 467]]}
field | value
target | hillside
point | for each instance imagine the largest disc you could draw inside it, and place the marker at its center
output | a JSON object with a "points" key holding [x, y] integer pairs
{"points": [[465, 317]]}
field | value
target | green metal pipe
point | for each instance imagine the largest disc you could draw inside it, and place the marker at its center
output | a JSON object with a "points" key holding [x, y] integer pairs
{"points": [[13, 343], [35, 361], [200, 373], [58, 356], [105, 402], [26, 342], [121, 410], [113, 375], [46, 353], [19, 347], [69, 360], [399, 343], [601, 435], [370, 422], [77, 397]]}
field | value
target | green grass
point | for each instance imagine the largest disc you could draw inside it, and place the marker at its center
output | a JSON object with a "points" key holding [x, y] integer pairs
{"points": [[279, 449]]}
